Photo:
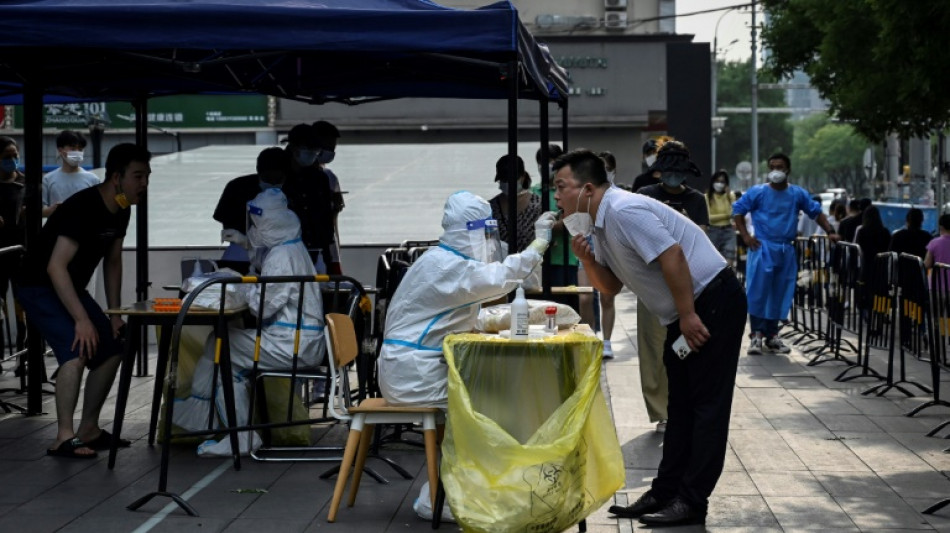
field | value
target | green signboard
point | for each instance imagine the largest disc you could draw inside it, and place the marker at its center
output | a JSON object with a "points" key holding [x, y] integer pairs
{"points": [[170, 112]]}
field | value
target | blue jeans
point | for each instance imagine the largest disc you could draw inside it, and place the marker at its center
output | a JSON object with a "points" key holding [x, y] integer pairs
{"points": [[768, 328]]}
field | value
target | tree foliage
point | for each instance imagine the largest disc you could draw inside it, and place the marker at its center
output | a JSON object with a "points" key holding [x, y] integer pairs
{"points": [[882, 64], [734, 144], [829, 154]]}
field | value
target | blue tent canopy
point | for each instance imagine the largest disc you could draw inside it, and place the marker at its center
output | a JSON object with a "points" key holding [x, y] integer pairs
{"points": [[313, 51]]}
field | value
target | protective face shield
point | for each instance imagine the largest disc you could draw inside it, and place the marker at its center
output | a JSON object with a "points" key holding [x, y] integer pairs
{"points": [[719, 186], [325, 157], [305, 157], [777, 176], [73, 158], [579, 223], [9, 165], [672, 179], [484, 240]]}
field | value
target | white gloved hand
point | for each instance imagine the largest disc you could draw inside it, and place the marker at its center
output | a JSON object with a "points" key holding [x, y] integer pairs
{"points": [[543, 225], [233, 235], [539, 245]]}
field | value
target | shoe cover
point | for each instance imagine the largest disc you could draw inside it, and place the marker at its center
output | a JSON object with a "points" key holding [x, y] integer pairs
{"points": [[248, 441], [423, 507]]}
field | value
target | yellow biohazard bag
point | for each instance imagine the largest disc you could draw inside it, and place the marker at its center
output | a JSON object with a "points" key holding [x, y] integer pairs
{"points": [[529, 443]]}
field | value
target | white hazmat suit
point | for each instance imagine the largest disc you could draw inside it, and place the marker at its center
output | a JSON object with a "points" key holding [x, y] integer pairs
{"points": [[440, 294], [275, 234]]}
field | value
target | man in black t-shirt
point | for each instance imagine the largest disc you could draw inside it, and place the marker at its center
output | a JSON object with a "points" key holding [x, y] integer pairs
{"points": [[87, 228]]}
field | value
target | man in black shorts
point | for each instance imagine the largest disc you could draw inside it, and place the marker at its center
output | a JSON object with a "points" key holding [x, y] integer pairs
{"points": [[87, 228]]}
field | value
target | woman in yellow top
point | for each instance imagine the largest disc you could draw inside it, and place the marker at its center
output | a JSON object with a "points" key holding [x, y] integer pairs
{"points": [[721, 232]]}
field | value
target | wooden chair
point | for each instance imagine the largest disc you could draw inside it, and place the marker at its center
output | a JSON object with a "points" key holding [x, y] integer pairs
{"points": [[342, 348]]}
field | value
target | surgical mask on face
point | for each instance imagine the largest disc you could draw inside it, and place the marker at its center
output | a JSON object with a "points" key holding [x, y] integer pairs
{"points": [[777, 176], [672, 181], [650, 159], [579, 223], [73, 158], [306, 158], [719, 186], [611, 176], [325, 157], [9, 165]]}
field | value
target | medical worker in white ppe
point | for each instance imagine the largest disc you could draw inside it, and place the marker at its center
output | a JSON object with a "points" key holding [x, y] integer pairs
{"points": [[440, 294], [274, 235]]}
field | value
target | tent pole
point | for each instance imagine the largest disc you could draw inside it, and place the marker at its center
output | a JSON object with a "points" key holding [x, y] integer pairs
{"points": [[33, 142], [141, 235], [564, 124], [545, 178], [512, 223]]}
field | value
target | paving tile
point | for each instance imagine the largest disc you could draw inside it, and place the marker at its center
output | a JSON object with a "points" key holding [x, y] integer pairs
{"points": [[764, 450], [822, 451], [918, 484], [735, 483], [808, 512], [786, 483], [774, 401], [858, 423], [739, 511], [256, 525], [939, 520], [881, 513], [882, 452], [800, 421], [847, 484]]}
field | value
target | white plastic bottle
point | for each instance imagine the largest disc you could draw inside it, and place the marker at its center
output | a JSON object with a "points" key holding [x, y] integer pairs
{"points": [[519, 315]]}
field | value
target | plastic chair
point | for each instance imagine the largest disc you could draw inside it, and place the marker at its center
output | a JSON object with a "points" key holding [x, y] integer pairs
{"points": [[342, 348]]}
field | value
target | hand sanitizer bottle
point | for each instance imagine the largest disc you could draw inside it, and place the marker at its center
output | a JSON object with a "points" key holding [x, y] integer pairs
{"points": [[519, 315]]}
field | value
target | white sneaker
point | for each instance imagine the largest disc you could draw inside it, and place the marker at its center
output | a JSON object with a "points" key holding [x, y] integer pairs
{"points": [[755, 346], [661, 426], [775, 345], [608, 351]]}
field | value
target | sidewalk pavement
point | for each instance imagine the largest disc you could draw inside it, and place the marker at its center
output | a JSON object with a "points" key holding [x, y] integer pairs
{"points": [[805, 453]]}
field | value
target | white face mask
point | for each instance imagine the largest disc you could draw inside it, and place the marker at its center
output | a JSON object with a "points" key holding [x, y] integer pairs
{"points": [[579, 223], [650, 160], [777, 176], [73, 158], [611, 176], [719, 186]]}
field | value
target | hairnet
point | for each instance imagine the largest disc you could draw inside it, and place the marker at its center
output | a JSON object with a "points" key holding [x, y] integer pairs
{"points": [[275, 223], [674, 157]]}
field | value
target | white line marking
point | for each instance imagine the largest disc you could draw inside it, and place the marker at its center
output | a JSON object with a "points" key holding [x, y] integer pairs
{"points": [[202, 483]]}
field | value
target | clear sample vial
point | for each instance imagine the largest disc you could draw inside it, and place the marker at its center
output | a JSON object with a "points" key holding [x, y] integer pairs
{"points": [[550, 319]]}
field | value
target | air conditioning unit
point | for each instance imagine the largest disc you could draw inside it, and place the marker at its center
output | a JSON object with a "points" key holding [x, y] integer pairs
{"points": [[615, 4], [615, 21]]}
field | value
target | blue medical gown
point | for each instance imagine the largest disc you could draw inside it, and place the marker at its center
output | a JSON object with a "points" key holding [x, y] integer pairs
{"points": [[771, 270]]}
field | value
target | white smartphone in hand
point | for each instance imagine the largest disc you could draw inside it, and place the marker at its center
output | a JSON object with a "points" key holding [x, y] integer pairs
{"points": [[681, 347]]}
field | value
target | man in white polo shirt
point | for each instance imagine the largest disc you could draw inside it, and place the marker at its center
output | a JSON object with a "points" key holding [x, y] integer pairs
{"points": [[671, 265]]}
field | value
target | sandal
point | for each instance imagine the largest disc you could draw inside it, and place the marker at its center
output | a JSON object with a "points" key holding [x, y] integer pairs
{"points": [[104, 441], [68, 448]]}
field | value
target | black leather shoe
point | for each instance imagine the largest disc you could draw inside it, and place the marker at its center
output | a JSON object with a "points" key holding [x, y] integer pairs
{"points": [[644, 504], [676, 513]]}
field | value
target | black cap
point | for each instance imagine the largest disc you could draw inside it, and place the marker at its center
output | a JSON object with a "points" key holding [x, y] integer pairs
{"points": [[673, 156], [302, 135], [502, 171]]}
